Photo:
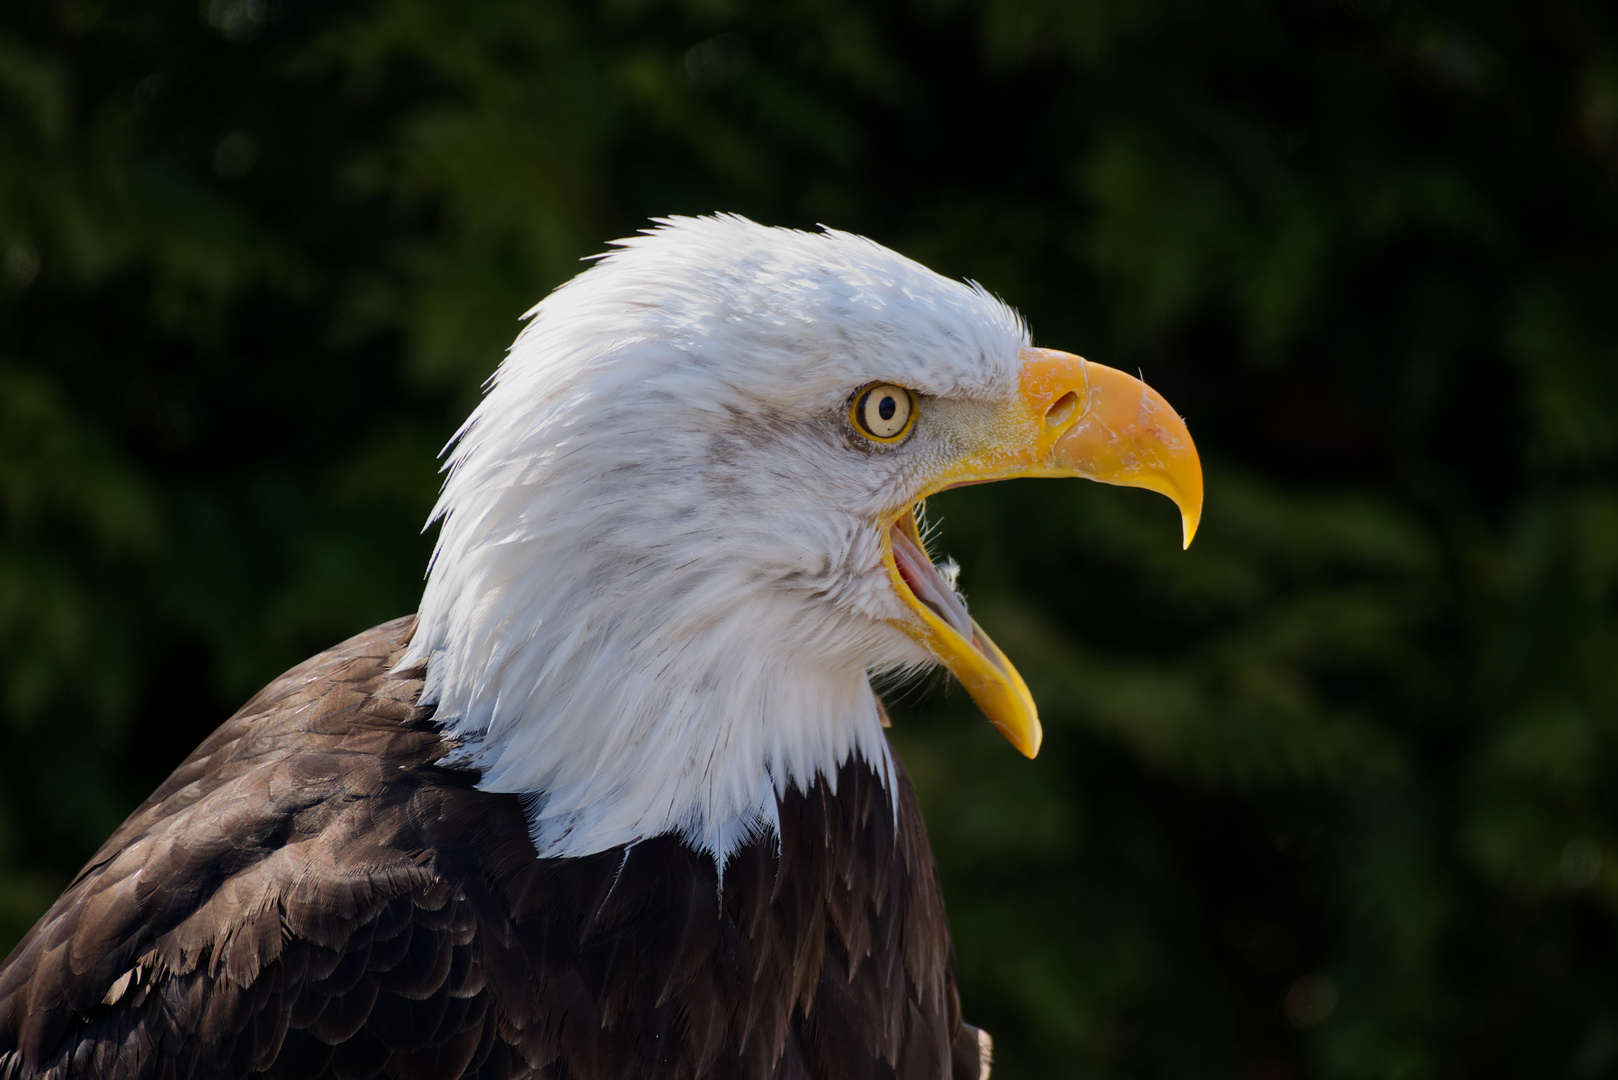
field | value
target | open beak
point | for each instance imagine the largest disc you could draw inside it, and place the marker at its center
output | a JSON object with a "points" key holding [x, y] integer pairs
{"points": [[1070, 418]]}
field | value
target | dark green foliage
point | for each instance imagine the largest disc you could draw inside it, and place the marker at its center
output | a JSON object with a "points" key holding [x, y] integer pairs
{"points": [[1328, 795]]}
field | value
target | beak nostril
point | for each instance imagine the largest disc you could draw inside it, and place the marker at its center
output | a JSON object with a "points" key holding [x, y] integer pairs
{"points": [[1061, 409]]}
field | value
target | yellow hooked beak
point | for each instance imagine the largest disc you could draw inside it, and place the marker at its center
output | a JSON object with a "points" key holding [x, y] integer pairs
{"points": [[1070, 418]]}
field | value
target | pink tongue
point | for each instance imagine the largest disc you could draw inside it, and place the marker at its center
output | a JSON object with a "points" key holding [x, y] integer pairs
{"points": [[929, 585]]}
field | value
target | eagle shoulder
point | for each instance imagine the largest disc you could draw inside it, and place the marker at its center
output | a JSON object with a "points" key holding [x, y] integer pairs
{"points": [[313, 892], [270, 907]]}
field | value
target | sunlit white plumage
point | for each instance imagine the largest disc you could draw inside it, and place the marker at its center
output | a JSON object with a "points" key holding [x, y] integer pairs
{"points": [[658, 591]]}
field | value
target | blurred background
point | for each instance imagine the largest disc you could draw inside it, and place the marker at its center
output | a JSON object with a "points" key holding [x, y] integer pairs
{"points": [[1329, 795]]}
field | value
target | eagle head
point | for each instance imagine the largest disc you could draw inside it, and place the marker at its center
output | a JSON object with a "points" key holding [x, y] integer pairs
{"points": [[678, 534]]}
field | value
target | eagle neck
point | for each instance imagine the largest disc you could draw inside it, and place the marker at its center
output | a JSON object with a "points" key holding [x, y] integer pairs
{"points": [[655, 714]]}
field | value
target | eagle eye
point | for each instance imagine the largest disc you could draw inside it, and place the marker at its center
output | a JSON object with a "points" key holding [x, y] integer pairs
{"points": [[883, 412]]}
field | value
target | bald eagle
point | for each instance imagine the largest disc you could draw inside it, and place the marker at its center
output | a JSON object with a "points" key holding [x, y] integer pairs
{"points": [[617, 801]]}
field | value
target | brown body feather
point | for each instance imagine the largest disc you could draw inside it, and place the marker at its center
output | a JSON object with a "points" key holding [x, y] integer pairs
{"points": [[313, 893]]}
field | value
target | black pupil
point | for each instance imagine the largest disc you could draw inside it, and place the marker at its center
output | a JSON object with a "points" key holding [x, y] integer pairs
{"points": [[887, 407]]}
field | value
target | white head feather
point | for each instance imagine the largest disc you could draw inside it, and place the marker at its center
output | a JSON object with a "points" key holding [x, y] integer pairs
{"points": [[658, 591]]}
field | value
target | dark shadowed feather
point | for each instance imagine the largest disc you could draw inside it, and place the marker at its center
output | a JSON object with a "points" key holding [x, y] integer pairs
{"points": [[314, 894]]}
